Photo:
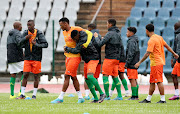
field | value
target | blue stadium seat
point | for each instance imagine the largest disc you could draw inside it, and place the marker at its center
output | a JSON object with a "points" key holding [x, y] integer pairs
{"points": [[141, 4], [143, 22], [164, 13], [159, 23], [142, 67], [157, 31], [167, 67], [123, 31], [148, 66], [154, 4], [176, 13], [168, 4], [136, 13], [143, 51], [141, 32], [131, 22], [171, 22], [124, 41], [168, 34], [178, 4], [150, 13]]}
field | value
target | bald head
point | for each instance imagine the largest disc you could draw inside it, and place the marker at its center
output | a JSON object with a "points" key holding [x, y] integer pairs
{"points": [[17, 25]]}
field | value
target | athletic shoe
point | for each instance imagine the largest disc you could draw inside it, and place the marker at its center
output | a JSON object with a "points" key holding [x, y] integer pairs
{"points": [[161, 101], [132, 98], [107, 98], [102, 98], [19, 94], [94, 101], [57, 101], [145, 101], [12, 97], [175, 97], [86, 97], [81, 100], [92, 98], [118, 98], [33, 97], [21, 97], [127, 95]]}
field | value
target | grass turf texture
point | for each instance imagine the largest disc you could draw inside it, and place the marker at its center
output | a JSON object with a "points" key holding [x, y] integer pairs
{"points": [[42, 105]]}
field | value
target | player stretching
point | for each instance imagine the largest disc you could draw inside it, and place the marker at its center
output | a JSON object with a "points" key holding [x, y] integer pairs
{"points": [[155, 50], [33, 41], [112, 51], [72, 60], [14, 55]]}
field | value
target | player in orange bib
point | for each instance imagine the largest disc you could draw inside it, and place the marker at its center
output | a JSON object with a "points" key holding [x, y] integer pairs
{"points": [[155, 50], [72, 60]]}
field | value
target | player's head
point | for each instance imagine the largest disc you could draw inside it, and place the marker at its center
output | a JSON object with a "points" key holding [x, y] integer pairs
{"points": [[91, 26], [30, 25], [75, 35], [131, 31], [149, 29], [17, 25], [64, 23], [177, 25], [111, 22]]}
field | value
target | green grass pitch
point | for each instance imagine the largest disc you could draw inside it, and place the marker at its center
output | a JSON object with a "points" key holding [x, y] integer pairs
{"points": [[42, 105]]}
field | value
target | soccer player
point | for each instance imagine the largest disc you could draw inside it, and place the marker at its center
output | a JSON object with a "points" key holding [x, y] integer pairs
{"points": [[155, 50], [176, 70], [14, 55], [33, 41], [132, 57], [92, 28], [91, 58], [72, 60], [112, 51]]}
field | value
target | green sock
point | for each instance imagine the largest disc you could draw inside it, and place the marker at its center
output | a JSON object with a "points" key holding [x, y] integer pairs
{"points": [[113, 86], [95, 83], [137, 88], [12, 83], [92, 89], [124, 82], [21, 81], [118, 86], [106, 85], [133, 89]]}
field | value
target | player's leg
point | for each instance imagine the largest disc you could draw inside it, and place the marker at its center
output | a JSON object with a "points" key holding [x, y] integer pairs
{"points": [[124, 83], [133, 89], [118, 87], [161, 91], [12, 84], [85, 85], [112, 89], [22, 76], [137, 91], [36, 83]]}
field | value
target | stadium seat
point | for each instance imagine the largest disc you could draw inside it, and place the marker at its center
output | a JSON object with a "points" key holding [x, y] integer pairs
{"points": [[176, 13], [168, 4], [123, 31], [164, 14], [61, 43], [142, 67], [14, 13], [88, 1], [59, 4], [149, 13], [167, 67], [71, 14], [73, 4], [42, 14], [4, 37], [157, 31], [154, 4], [31, 4], [168, 34], [131, 22], [17, 4], [28, 14], [4, 5], [56, 14], [3, 14], [46, 64], [46, 4], [136, 13], [143, 22], [141, 32], [40, 24], [56, 24], [72, 22], [140, 4], [171, 22], [159, 23], [49, 33], [1, 25], [2, 63], [178, 4], [9, 24]]}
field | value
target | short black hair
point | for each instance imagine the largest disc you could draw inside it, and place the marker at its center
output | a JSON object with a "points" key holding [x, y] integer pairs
{"points": [[177, 25], [64, 19], [150, 27], [112, 21], [93, 26], [74, 33], [132, 29], [31, 20]]}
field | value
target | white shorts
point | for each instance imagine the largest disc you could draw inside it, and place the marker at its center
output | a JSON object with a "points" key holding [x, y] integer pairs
{"points": [[16, 67]]}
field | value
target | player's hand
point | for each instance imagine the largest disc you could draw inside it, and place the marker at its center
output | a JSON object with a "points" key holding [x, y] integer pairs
{"points": [[28, 36], [125, 67], [65, 48], [172, 63], [137, 65], [176, 55], [34, 41], [95, 34]]}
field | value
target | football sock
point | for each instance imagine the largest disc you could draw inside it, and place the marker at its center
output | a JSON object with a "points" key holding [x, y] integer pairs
{"points": [[87, 92], [134, 90], [23, 90], [21, 81], [79, 94], [106, 85], [12, 83], [137, 88], [92, 89], [162, 97], [95, 83], [149, 97], [35, 91], [61, 95], [113, 86], [118, 86], [124, 82], [176, 92]]}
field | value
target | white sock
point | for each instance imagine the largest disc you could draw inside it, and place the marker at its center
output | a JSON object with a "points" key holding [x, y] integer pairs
{"points": [[35, 91], [61, 95], [127, 91], [97, 92], [87, 92], [149, 97], [162, 97], [111, 92], [23, 90], [79, 94], [176, 92]]}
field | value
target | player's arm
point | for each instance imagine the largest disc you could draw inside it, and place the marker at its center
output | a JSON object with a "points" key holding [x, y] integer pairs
{"points": [[170, 50], [89, 37], [103, 41], [75, 50], [43, 43], [23, 38]]}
